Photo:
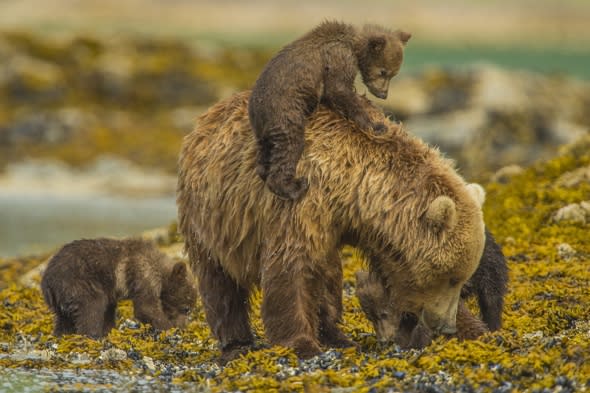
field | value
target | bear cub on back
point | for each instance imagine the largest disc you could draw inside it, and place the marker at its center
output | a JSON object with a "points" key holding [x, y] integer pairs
{"points": [[319, 67], [84, 280]]}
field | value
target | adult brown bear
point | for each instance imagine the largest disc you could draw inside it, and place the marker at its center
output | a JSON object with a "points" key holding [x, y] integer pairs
{"points": [[390, 194]]}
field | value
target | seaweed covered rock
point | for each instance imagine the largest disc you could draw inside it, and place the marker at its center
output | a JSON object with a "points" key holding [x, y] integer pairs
{"points": [[487, 118], [78, 97]]}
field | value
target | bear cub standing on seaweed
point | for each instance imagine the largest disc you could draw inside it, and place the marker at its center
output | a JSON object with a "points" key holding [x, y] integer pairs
{"points": [[319, 67], [85, 279]]}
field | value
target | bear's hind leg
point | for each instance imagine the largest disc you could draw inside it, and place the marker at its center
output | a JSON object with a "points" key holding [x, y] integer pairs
{"points": [[290, 300], [90, 316], [227, 308], [283, 149]]}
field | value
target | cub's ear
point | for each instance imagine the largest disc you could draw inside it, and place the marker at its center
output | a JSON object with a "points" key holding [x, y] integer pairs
{"points": [[178, 271], [362, 278], [477, 192], [377, 43], [404, 37], [442, 213]]}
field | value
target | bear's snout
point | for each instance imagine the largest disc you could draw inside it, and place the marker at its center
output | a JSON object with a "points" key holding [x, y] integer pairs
{"points": [[442, 317]]}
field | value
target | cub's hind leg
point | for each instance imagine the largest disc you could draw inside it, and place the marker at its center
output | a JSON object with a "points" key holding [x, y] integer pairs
{"points": [[280, 151]]}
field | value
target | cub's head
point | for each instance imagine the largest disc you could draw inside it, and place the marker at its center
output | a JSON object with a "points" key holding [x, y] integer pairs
{"points": [[179, 294], [375, 303], [381, 57]]}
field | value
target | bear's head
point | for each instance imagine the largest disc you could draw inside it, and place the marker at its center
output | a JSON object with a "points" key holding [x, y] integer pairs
{"points": [[430, 276], [179, 294], [405, 331], [380, 57]]}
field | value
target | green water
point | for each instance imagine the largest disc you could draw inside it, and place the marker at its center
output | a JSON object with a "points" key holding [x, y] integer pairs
{"points": [[573, 62], [572, 59]]}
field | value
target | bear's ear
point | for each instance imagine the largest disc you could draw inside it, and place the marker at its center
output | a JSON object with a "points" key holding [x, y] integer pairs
{"points": [[377, 43], [404, 37], [442, 213], [477, 192], [362, 278], [178, 271]]}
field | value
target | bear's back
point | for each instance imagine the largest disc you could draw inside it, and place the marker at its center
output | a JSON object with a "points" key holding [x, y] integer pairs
{"points": [[355, 177]]}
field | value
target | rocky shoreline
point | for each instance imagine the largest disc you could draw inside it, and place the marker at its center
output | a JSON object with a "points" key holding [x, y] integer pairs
{"points": [[81, 99], [543, 346]]}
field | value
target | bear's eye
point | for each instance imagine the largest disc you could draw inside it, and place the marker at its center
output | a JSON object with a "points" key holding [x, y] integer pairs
{"points": [[185, 310], [454, 282], [383, 73], [383, 315]]}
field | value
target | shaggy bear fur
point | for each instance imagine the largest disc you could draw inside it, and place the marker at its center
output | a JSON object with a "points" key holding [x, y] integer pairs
{"points": [[390, 195], [319, 67], [85, 279], [488, 283]]}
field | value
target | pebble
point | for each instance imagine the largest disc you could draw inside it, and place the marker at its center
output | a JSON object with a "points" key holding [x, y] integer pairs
{"points": [[565, 251], [113, 354], [575, 212], [505, 174], [148, 362]]}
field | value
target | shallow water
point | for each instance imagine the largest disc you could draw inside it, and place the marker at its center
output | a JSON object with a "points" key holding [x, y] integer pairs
{"points": [[34, 223]]}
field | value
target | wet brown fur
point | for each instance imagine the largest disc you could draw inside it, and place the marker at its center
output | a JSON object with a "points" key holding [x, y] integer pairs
{"points": [[488, 284], [85, 279], [371, 191], [319, 67]]}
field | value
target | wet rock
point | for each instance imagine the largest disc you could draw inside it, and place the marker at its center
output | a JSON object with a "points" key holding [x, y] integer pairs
{"points": [[534, 335], [565, 251], [113, 354], [129, 324], [574, 178], [45, 127], [80, 358], [148, 363], [575, 212], [32, 278], [486, 117], [505, 174], [27, 79]]}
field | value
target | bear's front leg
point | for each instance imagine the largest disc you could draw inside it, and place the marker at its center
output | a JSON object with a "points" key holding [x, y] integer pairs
{"points": [[330, 310], [290, 291], [227, 305], [147, 308]]}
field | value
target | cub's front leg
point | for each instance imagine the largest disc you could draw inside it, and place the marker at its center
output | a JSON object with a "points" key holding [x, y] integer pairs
{"points": [[352, 107], [147, 308]]}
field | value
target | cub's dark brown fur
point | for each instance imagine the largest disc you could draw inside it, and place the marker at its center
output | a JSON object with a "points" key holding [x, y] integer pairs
{"points": [[319, 67], [488, 284], [85, 279]]}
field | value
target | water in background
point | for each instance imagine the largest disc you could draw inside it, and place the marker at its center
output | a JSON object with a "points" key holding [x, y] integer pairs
{"points": [[31, 223], [46, 204]]}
